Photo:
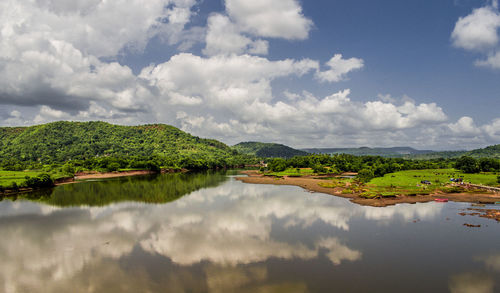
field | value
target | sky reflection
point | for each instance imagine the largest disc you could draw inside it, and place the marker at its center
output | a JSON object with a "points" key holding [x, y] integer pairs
{"points": [[221, 239]]}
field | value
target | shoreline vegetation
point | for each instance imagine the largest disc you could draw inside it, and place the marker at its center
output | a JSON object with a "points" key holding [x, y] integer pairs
{"points": [[83, 176], [315, 183]]}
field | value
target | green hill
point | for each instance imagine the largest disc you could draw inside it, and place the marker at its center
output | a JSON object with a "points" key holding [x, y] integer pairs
{"points": [[62, 141], [492, 151], [267, 150]]}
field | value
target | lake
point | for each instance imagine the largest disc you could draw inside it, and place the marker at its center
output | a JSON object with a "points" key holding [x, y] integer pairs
{"points": [[207, 232]]}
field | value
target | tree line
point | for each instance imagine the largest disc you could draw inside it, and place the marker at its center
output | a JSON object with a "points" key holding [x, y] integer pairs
{"points": [[369, 167]]}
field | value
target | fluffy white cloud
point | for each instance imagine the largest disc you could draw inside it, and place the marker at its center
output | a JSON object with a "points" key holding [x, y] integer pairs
{"points": [[339, 68], [493, 61], [51, 51], [493, 129], [465, 126], [224, 37], [99, 28], [235, 102], [276, 19], [478, 31], [228, 82]]}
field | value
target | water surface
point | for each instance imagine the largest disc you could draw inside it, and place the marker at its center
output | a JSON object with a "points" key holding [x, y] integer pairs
{"points": [[211, 233]]}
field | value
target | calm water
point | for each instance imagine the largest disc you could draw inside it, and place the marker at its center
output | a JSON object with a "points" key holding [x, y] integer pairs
{"points": [[211, 233]]}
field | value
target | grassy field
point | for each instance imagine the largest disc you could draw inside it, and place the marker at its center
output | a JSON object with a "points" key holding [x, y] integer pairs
{"points": [[8, 177], [293, 172], [408, 182]]}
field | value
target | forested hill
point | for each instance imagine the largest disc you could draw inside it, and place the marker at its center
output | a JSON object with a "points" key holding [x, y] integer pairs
{"points": [[492, 151], [62, 141], [267, 150]]}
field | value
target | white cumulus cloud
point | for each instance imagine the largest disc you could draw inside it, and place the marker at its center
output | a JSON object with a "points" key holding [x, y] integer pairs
{"points": [[478, 31], [339, 67], [275, 19]]}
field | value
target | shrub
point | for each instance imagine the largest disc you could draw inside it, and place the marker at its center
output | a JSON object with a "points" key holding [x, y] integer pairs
{"points": [[365, 175], [42, 180], [114, 166]]}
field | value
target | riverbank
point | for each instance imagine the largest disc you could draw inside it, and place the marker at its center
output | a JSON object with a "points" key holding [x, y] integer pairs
{"points": [[311, 183], [95, 175]]}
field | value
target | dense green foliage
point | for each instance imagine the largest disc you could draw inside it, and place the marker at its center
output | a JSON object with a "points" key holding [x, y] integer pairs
{"points": [[375, 165], [369, 167], [470, 165], [108, 146], [267, 150], [492, 151], [14, 180]]}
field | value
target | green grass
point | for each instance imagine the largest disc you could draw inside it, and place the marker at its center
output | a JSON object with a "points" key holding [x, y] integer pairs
{"points": [[130, 169], [335, 182], [293, 172], [408, 182], [8, 177]]}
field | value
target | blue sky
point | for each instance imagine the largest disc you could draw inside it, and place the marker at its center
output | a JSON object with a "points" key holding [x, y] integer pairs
{"points": [[305, 73]]}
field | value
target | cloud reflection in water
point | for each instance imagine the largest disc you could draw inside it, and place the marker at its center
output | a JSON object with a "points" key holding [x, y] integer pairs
{"points": [[227, 231]]}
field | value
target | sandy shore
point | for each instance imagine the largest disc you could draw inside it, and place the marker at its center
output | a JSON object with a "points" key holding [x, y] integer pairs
{"points": [[312, 185], [95, 175], [84, 176]]}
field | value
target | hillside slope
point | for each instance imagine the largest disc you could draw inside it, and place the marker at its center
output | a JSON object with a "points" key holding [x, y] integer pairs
{"points": [[267, 150], [61, 141]]}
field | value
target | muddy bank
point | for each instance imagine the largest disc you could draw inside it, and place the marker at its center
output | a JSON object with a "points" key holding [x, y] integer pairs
{"points": [[311, 184], [95, 175]]}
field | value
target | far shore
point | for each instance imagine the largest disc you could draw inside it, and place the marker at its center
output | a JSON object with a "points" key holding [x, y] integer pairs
{"points": [[89, 175], [310, 183]]}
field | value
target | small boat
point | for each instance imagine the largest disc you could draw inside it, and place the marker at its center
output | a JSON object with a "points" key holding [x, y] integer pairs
{"points": [[441, 199]]}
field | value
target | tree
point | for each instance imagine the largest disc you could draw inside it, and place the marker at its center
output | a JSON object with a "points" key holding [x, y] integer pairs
{"points": [[277, 165], [489, 164], [467, 165], [318, 168], [365, 175], [68, 169]]}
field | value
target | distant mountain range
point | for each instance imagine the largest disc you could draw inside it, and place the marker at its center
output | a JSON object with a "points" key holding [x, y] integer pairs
{"points": [[409, 153], [366, 151], [267, 150]]}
